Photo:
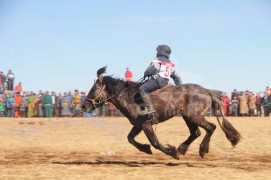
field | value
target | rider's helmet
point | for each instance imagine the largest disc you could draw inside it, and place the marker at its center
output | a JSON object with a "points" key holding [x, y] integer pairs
{"points": [[163, 50]]}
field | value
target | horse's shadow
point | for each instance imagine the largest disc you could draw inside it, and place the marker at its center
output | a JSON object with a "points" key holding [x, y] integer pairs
{"points": [[123, 163]]}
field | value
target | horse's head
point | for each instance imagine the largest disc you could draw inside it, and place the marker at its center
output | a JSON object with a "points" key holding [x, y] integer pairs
{"points": [[97, 95]]}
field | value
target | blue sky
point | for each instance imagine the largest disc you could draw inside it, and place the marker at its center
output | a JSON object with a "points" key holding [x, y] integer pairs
{"points": [[59, 44]]}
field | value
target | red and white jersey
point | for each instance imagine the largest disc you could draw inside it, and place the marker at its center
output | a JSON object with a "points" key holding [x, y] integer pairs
{"points": [[166, 69]]}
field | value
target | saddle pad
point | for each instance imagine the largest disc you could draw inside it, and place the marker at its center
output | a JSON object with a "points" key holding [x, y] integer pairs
{"points": [[157, 91]]}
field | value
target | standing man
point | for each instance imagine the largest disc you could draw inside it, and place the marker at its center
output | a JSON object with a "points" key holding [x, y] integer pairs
{"points": [[11, 78], [251, 104], [65, 105], [70, 103], [31, 105], [76, 103], [58, 105], [17, 101], [47, 104], [4, 79], [128, 75], [54, 99], [243, 106], [266, 105]]}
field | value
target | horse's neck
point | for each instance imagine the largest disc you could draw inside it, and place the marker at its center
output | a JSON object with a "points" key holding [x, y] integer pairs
{"points": [[127, 109]]}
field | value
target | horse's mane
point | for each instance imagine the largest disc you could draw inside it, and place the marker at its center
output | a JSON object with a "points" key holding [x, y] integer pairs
{"points": [[116, 85]]}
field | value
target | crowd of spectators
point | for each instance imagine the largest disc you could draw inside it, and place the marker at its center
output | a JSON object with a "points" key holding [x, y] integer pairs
{"points": [[246, 103], [14, 102]]}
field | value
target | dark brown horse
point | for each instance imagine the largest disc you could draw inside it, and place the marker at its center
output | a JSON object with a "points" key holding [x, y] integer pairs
{"points": [[191, 100]]}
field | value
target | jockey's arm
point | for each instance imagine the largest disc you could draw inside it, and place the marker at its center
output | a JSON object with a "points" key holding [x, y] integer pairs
{"points": [[176, 78]]}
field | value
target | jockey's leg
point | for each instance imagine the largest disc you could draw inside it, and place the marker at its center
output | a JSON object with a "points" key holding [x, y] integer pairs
{"points": [[144, 92]]}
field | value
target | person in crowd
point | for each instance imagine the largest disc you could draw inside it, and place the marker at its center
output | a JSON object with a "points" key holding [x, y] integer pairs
{"points": [[128, 75], [266, 105], [23, 108], [38, 105], [11, 78], [235, 105], [17, 101], [18, 88], [2, 106], [1, 84], [267, 91], [10, 105], [70, 103], [3, 80], [54, 99], [31, 105], [58, 105], [65, 105], [234, 93], [76, 103], [226, 104], [251, 104], [259, 102], [243, 106], [47, 104]]}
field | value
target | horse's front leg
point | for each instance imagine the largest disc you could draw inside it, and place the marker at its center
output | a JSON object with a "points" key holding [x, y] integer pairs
{"points": [[141, 147], [169, 150]]}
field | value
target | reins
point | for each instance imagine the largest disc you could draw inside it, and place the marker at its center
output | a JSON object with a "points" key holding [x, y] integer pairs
{"points": [[104, 100]]}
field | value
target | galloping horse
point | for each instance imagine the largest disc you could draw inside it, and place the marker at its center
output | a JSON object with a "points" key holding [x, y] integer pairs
{"points": [[191, 100]]}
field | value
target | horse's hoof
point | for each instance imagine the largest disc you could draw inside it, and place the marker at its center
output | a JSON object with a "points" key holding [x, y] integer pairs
{"points": [[182, 149], [146, 148], [203, 150]]}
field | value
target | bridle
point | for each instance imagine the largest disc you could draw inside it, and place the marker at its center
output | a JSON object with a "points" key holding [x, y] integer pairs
{"points": [[100, 98]]}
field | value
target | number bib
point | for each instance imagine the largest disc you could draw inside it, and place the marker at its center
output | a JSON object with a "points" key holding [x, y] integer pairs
{"points": [[166, 69]]}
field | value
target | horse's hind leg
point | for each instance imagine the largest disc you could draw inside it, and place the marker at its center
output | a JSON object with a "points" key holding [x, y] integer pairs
{"points": [[194, 133], [141, 147], [209, 128], [148, 130]]}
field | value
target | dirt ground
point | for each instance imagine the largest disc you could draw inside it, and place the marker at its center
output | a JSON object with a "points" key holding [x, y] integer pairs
{"points": [[97, 148]]}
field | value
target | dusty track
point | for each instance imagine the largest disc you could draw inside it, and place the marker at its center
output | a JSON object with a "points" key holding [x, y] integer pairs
{"points": [[97, 148]]}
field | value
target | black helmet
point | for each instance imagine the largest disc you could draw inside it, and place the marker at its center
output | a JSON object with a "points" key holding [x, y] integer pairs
{"points": [[163, 50]]}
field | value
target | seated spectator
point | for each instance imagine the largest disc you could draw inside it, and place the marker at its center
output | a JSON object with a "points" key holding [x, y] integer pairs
{"points": [[259, 104], [18, 88], [243, 108], [235, 105]]}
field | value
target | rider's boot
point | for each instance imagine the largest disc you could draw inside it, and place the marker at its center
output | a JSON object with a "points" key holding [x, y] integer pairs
{"points": [[148, 107]]}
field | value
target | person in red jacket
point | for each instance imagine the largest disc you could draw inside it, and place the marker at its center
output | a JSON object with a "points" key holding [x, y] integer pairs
{"points": [[128, 75], [19, 88], [226, 104]]}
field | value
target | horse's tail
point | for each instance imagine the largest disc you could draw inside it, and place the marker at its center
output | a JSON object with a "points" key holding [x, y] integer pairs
{"points": [[231, 133]]}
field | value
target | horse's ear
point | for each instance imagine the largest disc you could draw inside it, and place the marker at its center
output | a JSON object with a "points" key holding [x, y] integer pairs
{"points": [[101, 71]]}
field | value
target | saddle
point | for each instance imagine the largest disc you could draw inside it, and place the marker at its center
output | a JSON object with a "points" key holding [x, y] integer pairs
{"points": [[157, 91]]}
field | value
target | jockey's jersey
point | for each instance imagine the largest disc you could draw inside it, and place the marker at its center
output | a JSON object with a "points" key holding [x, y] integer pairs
{"points": [[166, 67]]}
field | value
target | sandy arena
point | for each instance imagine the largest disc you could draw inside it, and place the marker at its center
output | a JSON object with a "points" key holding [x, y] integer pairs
{"points": [[97, 148]]}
